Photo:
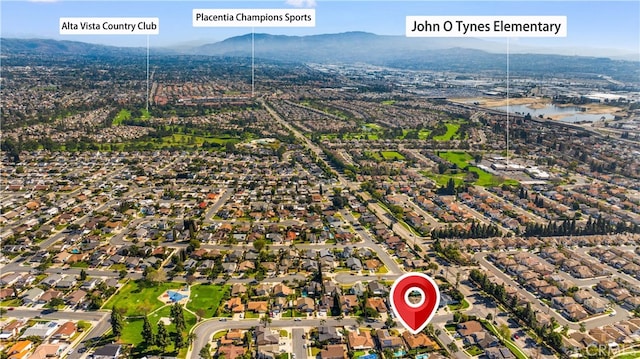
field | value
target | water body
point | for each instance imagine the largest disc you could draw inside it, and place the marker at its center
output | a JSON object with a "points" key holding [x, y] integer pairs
{"points": [[569, 113]]}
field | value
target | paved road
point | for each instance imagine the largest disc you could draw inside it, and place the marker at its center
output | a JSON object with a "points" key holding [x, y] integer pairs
{"points": [[208, 217], [368, 241], [97, 331], [64, 315], [439, 321], [298, 343]]}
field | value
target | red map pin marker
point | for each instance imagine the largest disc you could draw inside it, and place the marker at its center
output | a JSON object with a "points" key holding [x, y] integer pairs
{"points": [[414, 316]]}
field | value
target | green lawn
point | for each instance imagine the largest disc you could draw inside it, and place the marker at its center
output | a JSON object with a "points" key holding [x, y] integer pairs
{"points": [[11, 303], [132, 331], [287, 314], [219, 334], [374, 155], [178, 138], [388, 102], [251, 315], [391, 155], [118, 267], [460, 306], [474, 350], [206, 297], [123, 115], [442, 180], [463, 160], [450, 328], [139, 300], [634, 355], [145, 114], [80, 264], [452, 130], [424, 134]]}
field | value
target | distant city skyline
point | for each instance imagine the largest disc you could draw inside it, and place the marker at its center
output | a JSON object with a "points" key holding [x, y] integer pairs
{"points": [[591, 24]]}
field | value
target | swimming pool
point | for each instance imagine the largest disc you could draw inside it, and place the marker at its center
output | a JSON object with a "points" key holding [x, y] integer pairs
{"points": [[175, 296]]}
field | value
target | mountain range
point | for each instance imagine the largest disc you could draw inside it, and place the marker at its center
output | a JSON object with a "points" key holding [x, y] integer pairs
{"points": [[451, 54]]}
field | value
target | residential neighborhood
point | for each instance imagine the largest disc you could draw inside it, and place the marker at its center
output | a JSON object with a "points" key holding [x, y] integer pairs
{"points": [[222, 208]]}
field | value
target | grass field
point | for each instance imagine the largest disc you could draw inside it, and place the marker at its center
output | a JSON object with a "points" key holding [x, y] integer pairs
{"points": [[198, 140], [123, 115], [442, 180], [634, 355], [138, 300], [132, 331], [206, 297], [391, 155], [145, 114], [452, 130], [463, 160], [374, 155], [373, 126]]}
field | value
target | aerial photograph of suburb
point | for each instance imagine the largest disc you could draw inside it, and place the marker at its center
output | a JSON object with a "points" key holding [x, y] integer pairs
{"points": [[319, 179]]}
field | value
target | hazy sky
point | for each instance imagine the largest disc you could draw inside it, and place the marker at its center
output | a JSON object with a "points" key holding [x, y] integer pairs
{"points": [[591, 24]]}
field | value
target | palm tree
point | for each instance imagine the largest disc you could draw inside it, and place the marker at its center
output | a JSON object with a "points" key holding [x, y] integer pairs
{"points": [[191, 337], [265, 320]]}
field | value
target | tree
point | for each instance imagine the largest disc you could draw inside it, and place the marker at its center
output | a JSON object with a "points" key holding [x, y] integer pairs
{"points": [[83, 275], [177, 316], [390, 323], [429, 329], [117, 322], [259, 244], [156, 276], [477, 157], [191, 337], [178, 341], [162, 338], [452, 347], [55, 302], [205, 352], [432, 267], [504, 331], [583, 328], [265, 320], [147, 332]]}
